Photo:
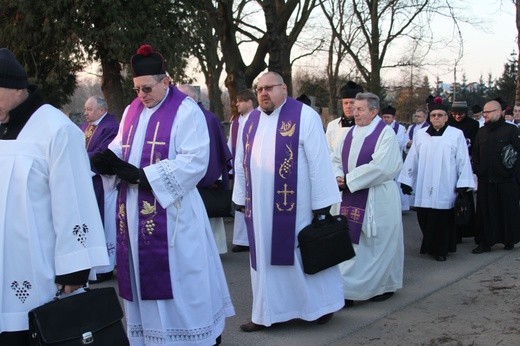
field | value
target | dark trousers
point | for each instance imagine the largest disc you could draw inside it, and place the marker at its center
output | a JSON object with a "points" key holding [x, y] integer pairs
{"points": [[438, 229], [21, 338]]}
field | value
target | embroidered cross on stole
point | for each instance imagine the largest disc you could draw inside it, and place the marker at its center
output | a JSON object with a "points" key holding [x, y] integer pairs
{"points": [[285, 182], [353, 204], [154, 269]]}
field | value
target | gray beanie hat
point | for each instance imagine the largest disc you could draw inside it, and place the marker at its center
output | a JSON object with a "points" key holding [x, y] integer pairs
{"points": [[12, 73]]}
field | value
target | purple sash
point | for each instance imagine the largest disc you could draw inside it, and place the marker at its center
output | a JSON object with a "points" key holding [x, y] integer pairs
{"points": [[285, 182], [154, 269], [412, 128], [396, 127], [353, 204], [234, 136]]}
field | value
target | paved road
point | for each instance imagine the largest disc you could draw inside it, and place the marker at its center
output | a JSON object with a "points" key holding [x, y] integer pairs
{"points": [[423, 277]]}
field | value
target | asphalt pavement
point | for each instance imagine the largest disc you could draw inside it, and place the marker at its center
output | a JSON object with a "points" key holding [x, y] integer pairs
{"points": [[423, 278]]}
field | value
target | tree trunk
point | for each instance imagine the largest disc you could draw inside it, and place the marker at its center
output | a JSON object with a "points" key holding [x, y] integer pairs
{"points": [[215, 96], [111, 85]]}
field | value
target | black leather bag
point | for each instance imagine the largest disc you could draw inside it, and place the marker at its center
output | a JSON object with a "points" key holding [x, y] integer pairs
{"points": [[325, 243], [509, 156], [217, 201], [463, 209], [89, 318]]}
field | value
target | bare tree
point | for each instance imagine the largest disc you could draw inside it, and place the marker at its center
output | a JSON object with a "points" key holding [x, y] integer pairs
{"points": [[372, 28], [238, 22], [517, 4]]}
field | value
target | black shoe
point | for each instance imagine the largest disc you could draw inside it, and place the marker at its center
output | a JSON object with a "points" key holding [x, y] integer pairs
{"points": [[325, 318], [440, 258], [102, 277], [381, 297], [348, 303], [252, 327], [239, 248], [509, 246], [480, 249]]}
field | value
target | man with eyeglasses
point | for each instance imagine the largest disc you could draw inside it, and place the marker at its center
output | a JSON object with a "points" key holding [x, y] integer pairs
{"points": [[498, 214], [100, 128], [437, 168], [285, 177], [168, 269], [365, 165]]}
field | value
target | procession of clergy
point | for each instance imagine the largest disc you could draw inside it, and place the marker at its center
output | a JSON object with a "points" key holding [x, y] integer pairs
{"points": [[287, 172]]}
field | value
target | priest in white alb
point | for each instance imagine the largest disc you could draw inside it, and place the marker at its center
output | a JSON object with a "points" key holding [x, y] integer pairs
{"points": [[365, 167], [285, 177], [168, 268]]}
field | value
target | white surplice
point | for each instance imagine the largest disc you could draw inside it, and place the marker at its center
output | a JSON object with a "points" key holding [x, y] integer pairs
{"points": [[435, 166], [196, 315], [50, 218], [285, 292], [378, 265], [239, 223]]}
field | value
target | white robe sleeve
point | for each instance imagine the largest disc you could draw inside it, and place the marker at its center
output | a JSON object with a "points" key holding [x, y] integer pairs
{"points": [[172, 178], [80, 238], [384, 166], [239, 184], [464, 170]]}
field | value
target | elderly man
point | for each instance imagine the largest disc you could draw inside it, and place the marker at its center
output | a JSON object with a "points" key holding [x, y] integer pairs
{"points": [[51, 232], [437, 168], [498, 214], [285, 178], [365, 165], [246, 102], [168, 269], [100, 128]]}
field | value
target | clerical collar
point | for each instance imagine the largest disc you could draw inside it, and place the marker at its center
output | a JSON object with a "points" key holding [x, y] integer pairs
{"points": [[433, 132], [99, 120], [346, 122]]}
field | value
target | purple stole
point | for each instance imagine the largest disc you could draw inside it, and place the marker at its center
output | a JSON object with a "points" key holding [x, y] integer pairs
{"points": [[285, 182], [412, 128], [234, 136], [396, 127], [154, 269], [353, 204]]}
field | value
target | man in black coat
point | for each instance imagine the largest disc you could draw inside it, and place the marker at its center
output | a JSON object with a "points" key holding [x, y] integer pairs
{"points": [[498, 213], [459, 119]]}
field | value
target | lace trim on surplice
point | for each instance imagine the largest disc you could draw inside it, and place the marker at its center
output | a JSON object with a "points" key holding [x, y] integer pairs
{"points": [[157, 337], [168, 179]]}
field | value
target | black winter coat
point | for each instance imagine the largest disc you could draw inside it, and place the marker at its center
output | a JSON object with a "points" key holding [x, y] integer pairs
{"points": [[487, 148]]}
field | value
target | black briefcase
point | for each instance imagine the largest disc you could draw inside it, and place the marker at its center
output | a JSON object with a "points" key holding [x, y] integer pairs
{"points": [[89, 318], [217, 201], [325, 243]]}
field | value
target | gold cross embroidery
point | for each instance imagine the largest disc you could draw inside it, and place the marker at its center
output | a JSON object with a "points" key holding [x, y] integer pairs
{"points": [[285, 192], [355, 215], [127, 145], [153, 142]]}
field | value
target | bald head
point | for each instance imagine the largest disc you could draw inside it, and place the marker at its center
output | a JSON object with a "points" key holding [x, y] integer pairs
{"points": [[492, 111], [190, 91]]}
